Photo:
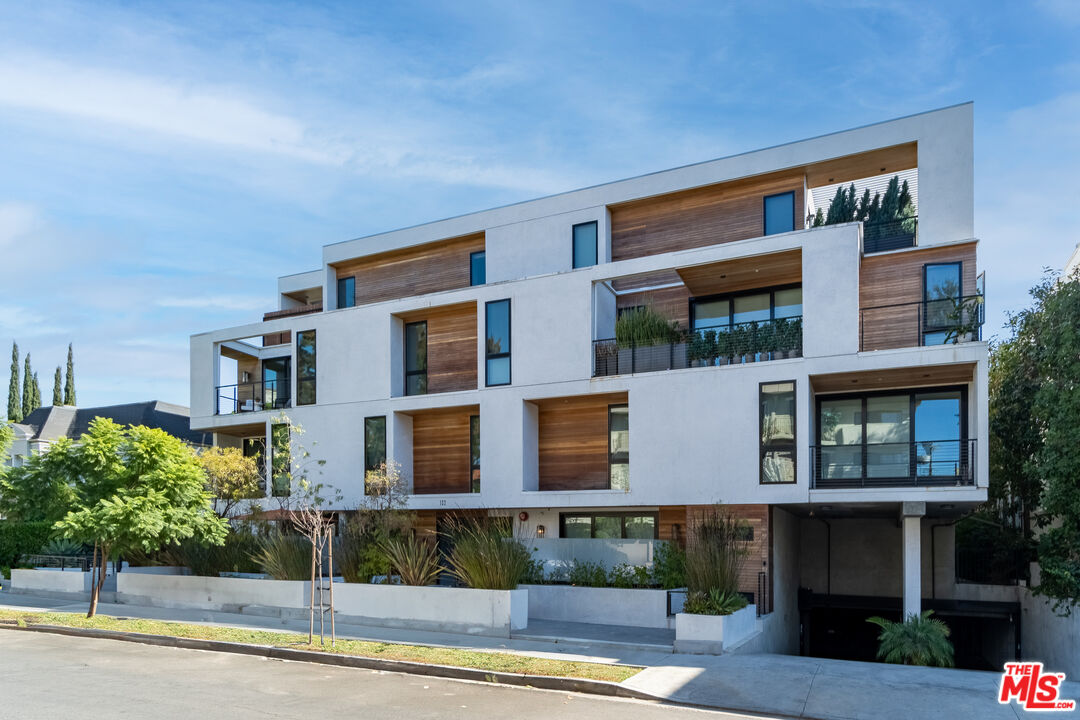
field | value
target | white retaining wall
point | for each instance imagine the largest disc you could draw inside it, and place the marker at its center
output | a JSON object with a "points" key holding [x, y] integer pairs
{"points": [[209, 593], [605, 606], [459, 610], [50, 582], [714, 634]]}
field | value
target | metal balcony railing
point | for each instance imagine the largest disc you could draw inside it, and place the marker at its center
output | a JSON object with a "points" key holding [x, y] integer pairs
{"points": [[924, 463], [720, 345], [926, 322], [890, 234], [253, 396]]}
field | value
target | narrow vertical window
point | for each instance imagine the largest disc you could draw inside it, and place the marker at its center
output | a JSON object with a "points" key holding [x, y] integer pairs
{"points": [[585, 239], [474, 453], [619, 446], [256, 448], [280, 461], [777, 432], [346, 292], [305, 367], [942, 302], [416, 358], [497, 321], [478, 268], [779, 213], [374, 445]]}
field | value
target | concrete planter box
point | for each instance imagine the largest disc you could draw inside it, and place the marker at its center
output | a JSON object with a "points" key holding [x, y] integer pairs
{"points": [[51, 583], [209, 593], [713, 634], [604, 606], [458, 610], [157, 570]]}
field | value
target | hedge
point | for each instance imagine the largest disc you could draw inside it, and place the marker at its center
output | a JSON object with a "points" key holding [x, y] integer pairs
{"points": [[22, 538]]}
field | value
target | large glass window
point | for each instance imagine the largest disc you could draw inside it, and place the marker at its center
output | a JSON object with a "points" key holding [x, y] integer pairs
{"points": [[585, 245], [474, 453], [276, 378], [779, 213], [374, 443], [478, 268], [280, 461], [256, 448], [610, 525], [752, 308], [721, 312], [777, 432], [941, 300], [497, 322], [305, 367], [619, 446], [416, 358], [939, 427], [840, 423], [888, 425], [346, 292]]}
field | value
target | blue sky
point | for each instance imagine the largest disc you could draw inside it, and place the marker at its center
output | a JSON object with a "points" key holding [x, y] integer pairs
{"points": [[163, 163]]}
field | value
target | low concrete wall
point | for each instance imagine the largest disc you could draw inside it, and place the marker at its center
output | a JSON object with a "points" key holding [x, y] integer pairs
{"points": [[458, 610], [51, 583], [209, 593], [157, 570], [1046, 636], [604, 606], [714, 634]]}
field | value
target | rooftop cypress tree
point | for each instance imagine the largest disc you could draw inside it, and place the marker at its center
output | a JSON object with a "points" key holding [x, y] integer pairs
{"points": [[27, 387], [69, 384], [37, 392], [14, 404], [57, 389]]}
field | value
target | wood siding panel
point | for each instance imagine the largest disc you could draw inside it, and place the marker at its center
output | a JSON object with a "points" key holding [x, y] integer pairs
{"points": [[573, 442], [673, 303], [757, 557], [907, 377], [441, 451], [698, 218], [451, 347], [419, 270], [897, 279], [740, 274]]}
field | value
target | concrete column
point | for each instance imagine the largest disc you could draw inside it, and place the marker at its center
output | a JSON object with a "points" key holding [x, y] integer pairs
{"points": [[912, 515]]}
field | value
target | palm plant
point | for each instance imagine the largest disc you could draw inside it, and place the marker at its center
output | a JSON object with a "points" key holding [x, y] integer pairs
{"points": [[415, 561], [484, 556], [919, 640]]}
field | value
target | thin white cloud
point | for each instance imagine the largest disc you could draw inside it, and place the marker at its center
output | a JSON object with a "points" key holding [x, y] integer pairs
{"points": [[215, 302], [16, 222]]}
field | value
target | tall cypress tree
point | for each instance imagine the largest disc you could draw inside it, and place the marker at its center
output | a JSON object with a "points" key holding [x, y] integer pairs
{"points": [[69, 384], [57, 388], [14, 404], [27, 387], [35, 394]]}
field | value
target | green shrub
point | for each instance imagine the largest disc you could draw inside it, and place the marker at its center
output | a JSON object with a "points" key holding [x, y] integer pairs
{"points": [[284, 557], [414, 560], [534, 573], [63, 546], [629, 576], [482, 555], [713, 602], [588, 574], [669, 566], [236, 555], [919, 640], [18, 539], [715, 552], [645, 326]]}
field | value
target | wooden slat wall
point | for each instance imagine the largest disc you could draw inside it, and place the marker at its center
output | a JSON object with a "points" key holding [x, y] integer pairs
{"points": [[451, 349], [573, 442], [428, 268], [280, 338], [897, 278], [441, 450], [757, 559], [673, 303], [698, 218]]}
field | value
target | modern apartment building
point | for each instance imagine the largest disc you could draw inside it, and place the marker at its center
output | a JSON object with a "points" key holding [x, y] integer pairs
{"points": [[826, 380]]}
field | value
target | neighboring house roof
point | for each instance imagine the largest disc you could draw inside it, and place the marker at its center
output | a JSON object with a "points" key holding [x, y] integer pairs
{"points": [[1074, 262], [54, 422]]}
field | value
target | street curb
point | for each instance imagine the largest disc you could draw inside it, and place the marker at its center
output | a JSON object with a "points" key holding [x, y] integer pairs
{"points": [[544, 682]]}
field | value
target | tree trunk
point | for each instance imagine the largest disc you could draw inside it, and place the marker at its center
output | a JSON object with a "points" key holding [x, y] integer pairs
{"points": [[93, 584], [95, 588], [311, 604]]}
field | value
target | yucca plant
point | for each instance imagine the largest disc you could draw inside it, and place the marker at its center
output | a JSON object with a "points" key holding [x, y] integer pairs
{"points": [[63, 546], [919, 640], [484, 556], [714, 602], [284, 557], [414, 560]]}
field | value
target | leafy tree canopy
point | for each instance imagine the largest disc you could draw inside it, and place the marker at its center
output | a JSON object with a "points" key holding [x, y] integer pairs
{"points": [[43, 487]]}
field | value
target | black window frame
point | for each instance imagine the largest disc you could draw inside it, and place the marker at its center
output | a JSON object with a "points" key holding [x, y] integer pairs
{"points": [[911, 393], [368, 465], [255, 447], [405, 358], [312, 378], [621, 514], [762, 448], [488, 355], [927, 328], [276, 471], [472, 277], [730, 297], [475, 475], [596, 244], [346, 281], [764, 216], [611, 462]]}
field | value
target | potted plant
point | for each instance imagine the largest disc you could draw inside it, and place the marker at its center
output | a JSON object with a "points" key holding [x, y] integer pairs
{"points": [[695, 349], [723, 348], [709, 346], [638, 332], [796, 336], [781, 340], [738, 344]]}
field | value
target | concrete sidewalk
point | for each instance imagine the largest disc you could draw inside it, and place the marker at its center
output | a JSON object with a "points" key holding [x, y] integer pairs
{"points": [[765, 684]]}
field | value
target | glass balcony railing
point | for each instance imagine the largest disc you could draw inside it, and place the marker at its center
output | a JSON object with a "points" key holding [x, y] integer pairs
{"points": [[923, 463], [253, 397]]}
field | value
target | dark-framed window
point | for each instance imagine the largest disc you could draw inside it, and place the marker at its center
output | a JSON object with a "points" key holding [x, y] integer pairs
{"points": [[346, 292], [777, 423], [585, 244], [610, 525], [916, 433], [779, 213], [305, 367], [280, 460], [416, 358], [374, 446], [942, 290], [474, 453], [497, 359], [619, 446], [256, 448], [478, 268], [276, 377], [721, 312]]}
